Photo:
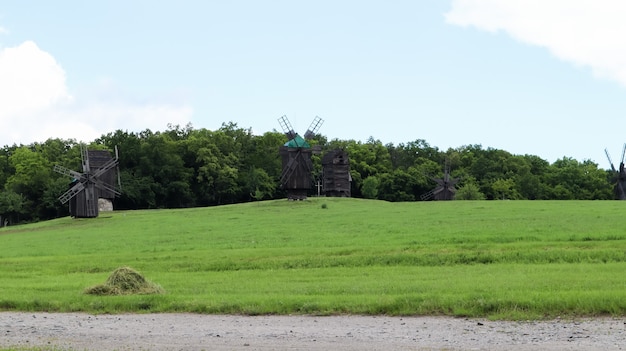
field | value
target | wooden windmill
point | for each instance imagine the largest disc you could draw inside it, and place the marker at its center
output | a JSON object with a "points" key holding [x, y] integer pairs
{"points": [[446, 186], [96, 182], [336, 178], [619, 176], [296, 177]]}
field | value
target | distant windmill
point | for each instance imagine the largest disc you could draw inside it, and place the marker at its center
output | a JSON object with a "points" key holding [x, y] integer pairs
{"points": [[619, 176], [97, 181], [336, 178], [296, 176], [445, 189]]}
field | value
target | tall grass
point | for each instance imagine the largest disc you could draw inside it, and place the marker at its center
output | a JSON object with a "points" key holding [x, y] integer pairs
{"points": [[499, 259]]}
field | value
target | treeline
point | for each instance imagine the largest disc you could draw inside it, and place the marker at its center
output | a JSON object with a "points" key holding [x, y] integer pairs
{"points": [[187, 167]]}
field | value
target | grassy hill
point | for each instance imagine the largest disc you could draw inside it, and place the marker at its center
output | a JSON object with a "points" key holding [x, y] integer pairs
{"points": [[500, 259]]}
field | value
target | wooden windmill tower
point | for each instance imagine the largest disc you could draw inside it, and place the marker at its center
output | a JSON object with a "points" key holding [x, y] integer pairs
{"points": [[296, 176], [619, 178], [446, 186], [336, 178], [96, 182]]}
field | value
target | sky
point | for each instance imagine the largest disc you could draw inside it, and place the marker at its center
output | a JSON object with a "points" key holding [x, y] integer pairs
{"points": [[544, 78]]}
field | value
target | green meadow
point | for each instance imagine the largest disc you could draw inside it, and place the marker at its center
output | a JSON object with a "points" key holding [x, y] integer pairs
{"points": [[494, 259]]}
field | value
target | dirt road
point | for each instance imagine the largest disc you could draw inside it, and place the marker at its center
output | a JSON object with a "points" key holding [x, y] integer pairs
{"points": [[65, 331]]}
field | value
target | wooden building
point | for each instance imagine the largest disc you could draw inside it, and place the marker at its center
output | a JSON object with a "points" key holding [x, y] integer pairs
{"points": [[336, 178]]}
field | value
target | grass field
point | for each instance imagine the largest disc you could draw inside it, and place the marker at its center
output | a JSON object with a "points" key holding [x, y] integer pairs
{"points": [[496, 259]]}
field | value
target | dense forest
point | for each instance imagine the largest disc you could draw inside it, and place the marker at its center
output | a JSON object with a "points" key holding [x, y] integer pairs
{"points": [[187, 167]]}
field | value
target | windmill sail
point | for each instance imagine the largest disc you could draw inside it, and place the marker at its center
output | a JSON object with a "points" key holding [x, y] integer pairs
{"points": [[314, 127], [287, 128]]}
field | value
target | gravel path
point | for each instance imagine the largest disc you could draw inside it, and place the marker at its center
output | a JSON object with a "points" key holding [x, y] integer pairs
{"points": [[64, 331]]}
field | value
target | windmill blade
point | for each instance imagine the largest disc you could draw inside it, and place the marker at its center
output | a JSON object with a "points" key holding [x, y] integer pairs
{"points": [[308, 163], [623, 153], [72, 192], [91, 201], [106, 167], [439, 181], [68, 172], [84, 155], [438, 190], [95, 178], [289, 169], [104, 186], [606, 151], [119, 177], [314, 127], [287, 128], [451, 188], [428, 195]]}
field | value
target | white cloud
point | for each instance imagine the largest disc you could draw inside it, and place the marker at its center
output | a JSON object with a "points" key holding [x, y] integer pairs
{"points": [[30, 80], [35, 103], [585, 32]]}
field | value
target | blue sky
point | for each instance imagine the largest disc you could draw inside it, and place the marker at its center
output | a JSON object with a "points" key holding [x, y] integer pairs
{"points": [[527, 76]]}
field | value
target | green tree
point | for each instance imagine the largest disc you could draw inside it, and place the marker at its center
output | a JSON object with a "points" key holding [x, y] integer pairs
{"points": [[398, 185], [264, 154], [530, 178], [504, 188], [569, 179], [32, 171], [469, 191], [367, 159], [51, 206], [259, 184], [370, 187], [161, 160], [129, 147], [12, 206], [32, 176], [217, 174], [408, 155], [487, 167]]}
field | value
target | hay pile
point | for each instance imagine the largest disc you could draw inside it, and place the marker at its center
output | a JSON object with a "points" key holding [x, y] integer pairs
{"points": [[125, 281]]}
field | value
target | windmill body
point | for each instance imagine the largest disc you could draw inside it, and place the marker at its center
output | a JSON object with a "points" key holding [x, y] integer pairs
{"points": [[336, 178], [619, 176], [446, 187], [296, 177], [620, 187], [94, 186]]}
